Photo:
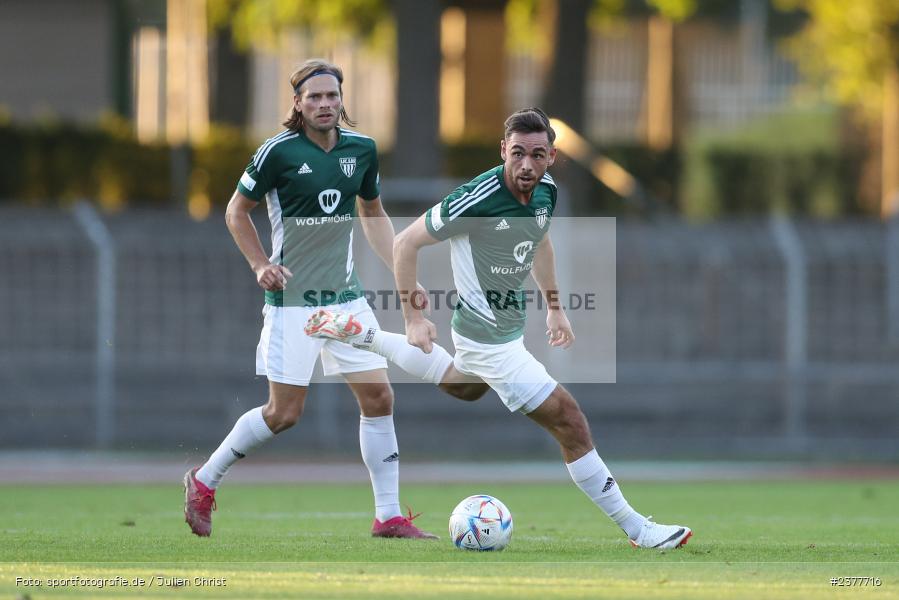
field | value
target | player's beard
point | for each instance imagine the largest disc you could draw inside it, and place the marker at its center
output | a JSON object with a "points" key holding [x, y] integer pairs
{"points": [[315, 124], [526, 187]]}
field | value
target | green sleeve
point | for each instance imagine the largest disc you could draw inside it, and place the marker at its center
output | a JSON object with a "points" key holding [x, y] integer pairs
{"points": [[257, 178], [448, 217], [371, 183]]}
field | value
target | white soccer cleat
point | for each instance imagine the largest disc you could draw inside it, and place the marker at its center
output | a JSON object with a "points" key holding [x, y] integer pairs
{"points": [[333, 324], [661, 537]]}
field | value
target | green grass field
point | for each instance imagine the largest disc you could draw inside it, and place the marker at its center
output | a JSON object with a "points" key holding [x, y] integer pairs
{"points": [[752, 540]]}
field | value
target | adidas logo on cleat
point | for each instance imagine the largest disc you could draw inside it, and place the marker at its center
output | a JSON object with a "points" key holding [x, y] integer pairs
{"points": [[392, 458], [502, 225], [304, 169], [609, 483]]}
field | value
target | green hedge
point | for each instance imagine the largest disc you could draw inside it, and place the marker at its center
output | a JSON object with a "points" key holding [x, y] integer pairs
{"points": [[794, 163], [62, 163]]}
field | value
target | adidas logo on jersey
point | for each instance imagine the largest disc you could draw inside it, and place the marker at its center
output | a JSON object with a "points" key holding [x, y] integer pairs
{"points": [[304, 169], [502, 225]]}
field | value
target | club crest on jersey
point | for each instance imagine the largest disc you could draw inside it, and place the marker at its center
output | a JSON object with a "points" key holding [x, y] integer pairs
{"points": [[348, 165], [328, 200], [521, 250], [542, 215]]}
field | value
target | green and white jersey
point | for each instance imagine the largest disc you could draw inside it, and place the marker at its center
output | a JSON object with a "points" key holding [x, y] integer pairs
{"points": [[311, 197], [493, 238]]}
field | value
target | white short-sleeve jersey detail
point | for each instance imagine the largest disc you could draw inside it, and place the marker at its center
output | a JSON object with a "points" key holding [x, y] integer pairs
{"points": [[274, 216], [466, 279], [352, 133], [349, 258], [453, 204], [472, 200], [436, 219], [247, 181], [265, 145], [266, 148]]}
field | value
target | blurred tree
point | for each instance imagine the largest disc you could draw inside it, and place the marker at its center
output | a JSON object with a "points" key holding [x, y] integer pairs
{"points": [[566, 64], [260, 22], [416, 150], [853, 49], [569, 23], [230, 73]]}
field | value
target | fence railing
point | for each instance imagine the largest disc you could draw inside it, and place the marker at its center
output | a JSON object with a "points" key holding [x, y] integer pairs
{"points": [[746, 337]]}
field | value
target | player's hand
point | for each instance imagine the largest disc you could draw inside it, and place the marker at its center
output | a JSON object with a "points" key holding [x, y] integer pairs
{"points": [[422, 302], [421, 333], [558, 328], [271, 277]]}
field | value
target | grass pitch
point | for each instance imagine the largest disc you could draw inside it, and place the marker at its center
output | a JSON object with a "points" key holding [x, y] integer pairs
{"points": [[752, 540]]}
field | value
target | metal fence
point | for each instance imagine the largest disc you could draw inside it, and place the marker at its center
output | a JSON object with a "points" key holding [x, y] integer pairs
{"points": [[755, 338]]}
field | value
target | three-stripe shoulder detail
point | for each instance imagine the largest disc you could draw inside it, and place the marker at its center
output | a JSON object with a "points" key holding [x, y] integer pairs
{"points": [[548, 179], [270, 143], [352, 133], [468, 199]]}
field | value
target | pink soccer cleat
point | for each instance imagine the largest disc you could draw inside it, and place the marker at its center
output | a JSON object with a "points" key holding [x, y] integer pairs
{"points": [[400, 527], [199, 502]]}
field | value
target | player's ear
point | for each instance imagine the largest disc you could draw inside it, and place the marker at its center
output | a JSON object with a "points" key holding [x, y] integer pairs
{"points": [[502, 149], [551, 157], [297, 102]]}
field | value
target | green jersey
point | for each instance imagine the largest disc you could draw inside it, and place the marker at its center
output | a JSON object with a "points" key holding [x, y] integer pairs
{"points": [[311, 197], [493, 238]]}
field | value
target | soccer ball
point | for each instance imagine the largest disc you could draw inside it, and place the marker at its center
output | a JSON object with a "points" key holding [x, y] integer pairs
{"points": [[481, 522]]}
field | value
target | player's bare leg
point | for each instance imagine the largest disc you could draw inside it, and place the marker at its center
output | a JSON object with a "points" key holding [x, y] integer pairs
{"points": [[283, 409], [461, 386], [562, 417], [380, 452]]}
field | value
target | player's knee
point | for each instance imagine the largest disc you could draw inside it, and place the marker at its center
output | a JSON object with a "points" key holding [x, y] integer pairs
{"points": [[576, 422], [569, 421], [279, 419], [474, 391], [377, 402], [465, 391]]}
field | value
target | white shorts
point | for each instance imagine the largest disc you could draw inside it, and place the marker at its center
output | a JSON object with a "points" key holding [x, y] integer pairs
{"points": [[520, 380], [285, 354]]}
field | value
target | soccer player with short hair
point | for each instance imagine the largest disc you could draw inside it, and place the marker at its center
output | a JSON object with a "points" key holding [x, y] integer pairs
{"points": [[498, 228], [310, 175]]}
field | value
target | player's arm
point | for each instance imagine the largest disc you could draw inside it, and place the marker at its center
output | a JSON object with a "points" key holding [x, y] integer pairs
{"points": [[558, 328], [378, 228], [420, 332], [379, 231], [237, 218]]}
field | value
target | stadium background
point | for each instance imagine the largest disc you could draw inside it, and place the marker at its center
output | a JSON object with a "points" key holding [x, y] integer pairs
{"points": [[757, 256]]}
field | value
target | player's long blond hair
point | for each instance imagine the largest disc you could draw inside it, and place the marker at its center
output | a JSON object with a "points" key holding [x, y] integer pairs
{"points": [[314, 66]]}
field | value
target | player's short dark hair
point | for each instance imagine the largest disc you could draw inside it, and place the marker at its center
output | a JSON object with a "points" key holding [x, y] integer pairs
{"points": [[529, 120], [309, 69]]}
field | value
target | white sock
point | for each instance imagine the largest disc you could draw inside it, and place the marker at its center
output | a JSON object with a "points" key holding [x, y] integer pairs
{"points": [[412, 360], [590, 474], [381, 455], [249, 433]]}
